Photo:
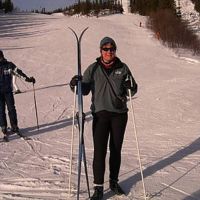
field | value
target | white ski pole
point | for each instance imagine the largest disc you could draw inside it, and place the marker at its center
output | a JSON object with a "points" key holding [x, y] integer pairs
{"points": [[136, 139], [72, 140]]}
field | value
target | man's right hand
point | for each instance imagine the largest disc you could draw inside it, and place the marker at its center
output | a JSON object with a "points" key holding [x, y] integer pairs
{"points": [[74, 81], [30, 79]]}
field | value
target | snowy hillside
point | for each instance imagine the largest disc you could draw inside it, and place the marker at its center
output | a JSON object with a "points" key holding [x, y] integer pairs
{"points": [[166, 109], [189, 13]]}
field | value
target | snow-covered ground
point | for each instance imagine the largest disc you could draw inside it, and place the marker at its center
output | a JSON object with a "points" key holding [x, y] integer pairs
{"points": [[166, 109]]}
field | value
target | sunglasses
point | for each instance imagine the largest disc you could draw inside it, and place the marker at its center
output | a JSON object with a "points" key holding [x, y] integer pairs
{"points": [[112, 49]]}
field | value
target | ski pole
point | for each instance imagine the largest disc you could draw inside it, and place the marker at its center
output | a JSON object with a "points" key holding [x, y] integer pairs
{"points": [[72, 140], [36, 113], [136, 139]]}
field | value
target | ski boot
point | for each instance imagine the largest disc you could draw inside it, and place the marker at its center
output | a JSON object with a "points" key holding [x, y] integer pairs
{"points": [[15, 129], [98, 193], [4, 131], [5, 138], [114, 186]]}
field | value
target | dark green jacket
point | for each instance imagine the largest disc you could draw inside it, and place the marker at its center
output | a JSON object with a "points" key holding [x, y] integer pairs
{"points": [[103, 98]]}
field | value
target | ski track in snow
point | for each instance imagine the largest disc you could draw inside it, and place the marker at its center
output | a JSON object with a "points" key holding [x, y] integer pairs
{"points": [[190, 60]]}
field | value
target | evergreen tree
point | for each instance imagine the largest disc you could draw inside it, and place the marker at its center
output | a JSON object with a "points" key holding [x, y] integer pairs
{"points": [[94, 7], [167, 4], [8, 6], [97, 7], [178, 9], [1, 4], [196, 5], [43, 11], [145, 7]]}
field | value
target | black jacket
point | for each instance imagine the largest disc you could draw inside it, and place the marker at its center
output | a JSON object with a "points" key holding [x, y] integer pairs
{"points": [[7, 70]]}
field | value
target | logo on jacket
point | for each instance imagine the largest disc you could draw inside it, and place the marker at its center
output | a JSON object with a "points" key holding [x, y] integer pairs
{"points": [[118, 72], [7, 72]]}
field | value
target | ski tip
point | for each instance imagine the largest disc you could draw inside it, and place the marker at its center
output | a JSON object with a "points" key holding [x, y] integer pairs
{"points": [[75, 31]]}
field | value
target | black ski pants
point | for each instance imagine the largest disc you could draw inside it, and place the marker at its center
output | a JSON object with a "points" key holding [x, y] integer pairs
{"points": [[7, 99], [108, 125]]}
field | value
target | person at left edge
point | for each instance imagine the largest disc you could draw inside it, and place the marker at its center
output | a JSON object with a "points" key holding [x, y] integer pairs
{"points": [[7, 70]]}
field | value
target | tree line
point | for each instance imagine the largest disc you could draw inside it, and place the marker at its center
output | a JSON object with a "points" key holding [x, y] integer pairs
{"points": [[164, 19], [94, 7], [6, 6], [145, 7], [196, 5], [88, 8]]}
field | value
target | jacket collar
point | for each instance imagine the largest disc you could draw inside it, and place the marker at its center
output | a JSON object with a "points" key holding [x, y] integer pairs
{"points": [[117, 63]]}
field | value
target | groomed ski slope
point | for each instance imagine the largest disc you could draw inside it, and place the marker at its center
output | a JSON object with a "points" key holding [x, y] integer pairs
{"points": [[166, 110]]}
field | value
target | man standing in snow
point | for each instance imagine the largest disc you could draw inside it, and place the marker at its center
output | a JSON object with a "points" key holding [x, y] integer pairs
{"points": [[108, 79], [7, 69]]}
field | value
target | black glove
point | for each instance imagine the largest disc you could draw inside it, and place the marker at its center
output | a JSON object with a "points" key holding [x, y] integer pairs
{"points": [[127, 84], [74, 81], [30, 79]]}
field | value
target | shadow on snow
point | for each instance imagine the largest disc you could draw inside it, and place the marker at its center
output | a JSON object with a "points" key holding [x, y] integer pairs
{"points": [[150, 170], [19, 25]]}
